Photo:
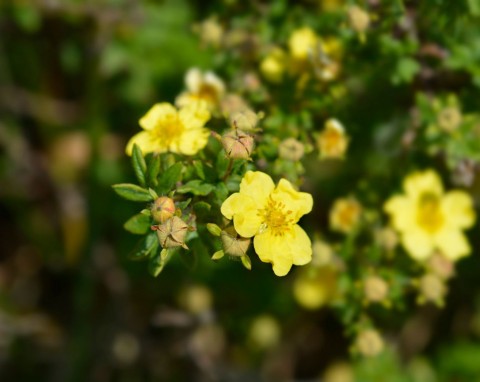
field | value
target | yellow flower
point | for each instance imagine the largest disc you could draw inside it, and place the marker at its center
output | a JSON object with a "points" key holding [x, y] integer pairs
{"points": [[332, 141], [302, 42], [316, 288], [168, 129], [207, 87], [429, 219], [272, 66], [358, 18], [345, 215], [271, 214]]}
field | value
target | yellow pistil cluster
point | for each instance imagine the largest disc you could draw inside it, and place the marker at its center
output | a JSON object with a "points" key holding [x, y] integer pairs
{"points": [[429, 219], [270, 214], [167, 129]]}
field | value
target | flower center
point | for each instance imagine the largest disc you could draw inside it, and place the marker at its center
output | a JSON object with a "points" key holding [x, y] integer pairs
{"points": [[208, 93], [429, 214], [275, 217], [168, 130]]}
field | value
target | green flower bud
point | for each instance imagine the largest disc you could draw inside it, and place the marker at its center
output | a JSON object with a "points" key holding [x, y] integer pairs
{"points": [[238, 144], [244, 120]]}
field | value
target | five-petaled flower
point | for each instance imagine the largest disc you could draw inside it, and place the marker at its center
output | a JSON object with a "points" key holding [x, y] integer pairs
{"points": [[168, 129], [429, 219], [270, 214]]}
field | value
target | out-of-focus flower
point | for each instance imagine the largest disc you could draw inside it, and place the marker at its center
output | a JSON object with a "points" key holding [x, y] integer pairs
{"points": [[322, 253], [369, 343], [231, 104], [168, 129], [196, 299], [332, 141], [345, 215], [387, 238], [172, 233], [331, 5], [429, 219], [264, 332], [238, 144], [449, 118], [201, 86], [358, 19], [162, 209], [246, 120], [432, 289], [291, 149], [301, 43], [375, 289], [272, 66], [315, 288], [271, 214], [440, 266], [210, 32], [325, 58], [339, 372]]}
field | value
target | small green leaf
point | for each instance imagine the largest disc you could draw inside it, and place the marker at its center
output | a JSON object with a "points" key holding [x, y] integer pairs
{"points": [[148, 245], [184, 204], [196, 187], [153, 170], [198, 165], [247, 263], [218, 255], [139, 165], [132, 192], [221, 192], [202, 208], [153, 194], [138, 224], [171, 176]]}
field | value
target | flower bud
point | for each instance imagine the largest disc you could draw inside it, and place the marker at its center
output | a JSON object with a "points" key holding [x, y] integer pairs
{"points": [[238, 144], [322, 253], [244, 120], [163, 209], [441, 266], [291, 149], [369, 343], [214, 229], [233, 244], [375, 289], [172, 233], [432, 289], [449, 119]]}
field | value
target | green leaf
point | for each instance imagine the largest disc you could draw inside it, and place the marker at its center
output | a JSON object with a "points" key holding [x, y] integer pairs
{"points": [[405, 71], [196, 187], [139, 165], [148, 245], [202, 208], [153, 170], [218, 255], [198, 165], [247, 263], [214, 229], [132, 192], [171, 176], [138, 224], [221, 192], [157, 263]]}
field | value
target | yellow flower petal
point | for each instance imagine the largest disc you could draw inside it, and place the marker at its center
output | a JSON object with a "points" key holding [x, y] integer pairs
{"points": [[418, 244], [258, 186], [159, 112], [402, 212], [453, 244], [274, 249], [242, 209], [300, 246], [145, 142], [423, 182], [192, 141], [458, 208], [300, 203], [194, 115]]}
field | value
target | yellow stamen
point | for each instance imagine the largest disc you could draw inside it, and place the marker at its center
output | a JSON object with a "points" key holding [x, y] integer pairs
{"points": [[275, 217]]}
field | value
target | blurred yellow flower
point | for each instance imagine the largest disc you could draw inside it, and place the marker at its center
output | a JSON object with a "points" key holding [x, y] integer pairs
{"points": [[302, 42], [207, 87], [332, 141], [429, 219], [345, 215], [315, 287], [168, 129], [272, 66], [358, 18], [369, 343], [271, 214]]}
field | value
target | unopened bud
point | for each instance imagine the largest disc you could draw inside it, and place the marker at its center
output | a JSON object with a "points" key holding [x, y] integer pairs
{"points": [[432, 289], [163, 209], [214, 229], [233, 244], [238, 144], [369, 343], [449, 119], [358, 18], [244, 120], [375, 289], [172, 233], [291, 149]]}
